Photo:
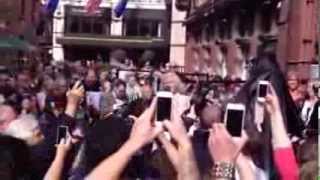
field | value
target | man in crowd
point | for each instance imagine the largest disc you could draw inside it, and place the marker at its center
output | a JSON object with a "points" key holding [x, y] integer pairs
{"points": [[293, 86], [7, 115], [121, 142], [114, 99]]}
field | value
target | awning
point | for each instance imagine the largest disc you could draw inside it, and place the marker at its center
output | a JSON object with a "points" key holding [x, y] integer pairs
{"points": [[15, 44], [113, 42]]}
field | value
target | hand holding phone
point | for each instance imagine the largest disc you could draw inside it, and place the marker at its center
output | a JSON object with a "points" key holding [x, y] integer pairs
{"points": [[164, 104], [62, 133], [234, 118]]}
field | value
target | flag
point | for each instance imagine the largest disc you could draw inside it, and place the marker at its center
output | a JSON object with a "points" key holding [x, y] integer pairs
{"points": [[51, 6], [120, 8], [92, 6]]}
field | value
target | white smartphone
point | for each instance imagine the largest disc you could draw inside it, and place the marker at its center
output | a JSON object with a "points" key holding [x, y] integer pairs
{"points": [[164, 103], [234, 118], [262, 90]]}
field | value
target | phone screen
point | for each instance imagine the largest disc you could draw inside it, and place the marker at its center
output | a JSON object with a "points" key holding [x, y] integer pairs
{"points": [[263, 90], [163, 108], [62, 133], [234, 122]]}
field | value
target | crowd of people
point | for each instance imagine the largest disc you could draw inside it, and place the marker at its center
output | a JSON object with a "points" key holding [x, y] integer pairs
{"points": [[112, 133]]}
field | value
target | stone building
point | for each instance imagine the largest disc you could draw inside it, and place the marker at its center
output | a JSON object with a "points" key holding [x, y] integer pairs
{"points": [[144, 26], [18, 26], [222, 36]]}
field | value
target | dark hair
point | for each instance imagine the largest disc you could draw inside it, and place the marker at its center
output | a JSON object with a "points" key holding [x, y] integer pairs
{"points": [[316, 89], [118, 82], [15, 159]]}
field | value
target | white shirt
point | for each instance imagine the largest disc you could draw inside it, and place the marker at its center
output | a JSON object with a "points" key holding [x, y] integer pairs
{"points": [[307, 110]]}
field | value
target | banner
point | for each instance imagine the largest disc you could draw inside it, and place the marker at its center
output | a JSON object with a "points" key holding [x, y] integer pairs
{"points": [[92, 6], [51, 6], [120, 8]]}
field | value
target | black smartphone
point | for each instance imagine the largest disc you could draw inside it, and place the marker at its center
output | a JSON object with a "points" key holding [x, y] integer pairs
{"points": [[234, 118], [164, 100], [62, 132], [262, 90]]}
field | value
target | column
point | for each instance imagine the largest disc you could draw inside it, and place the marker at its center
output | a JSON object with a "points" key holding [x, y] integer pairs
{"points": [[177, 37], [116, 26], [58, 30]]}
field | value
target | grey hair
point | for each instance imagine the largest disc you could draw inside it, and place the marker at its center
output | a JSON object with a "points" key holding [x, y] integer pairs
{"points": [[23, 128]]}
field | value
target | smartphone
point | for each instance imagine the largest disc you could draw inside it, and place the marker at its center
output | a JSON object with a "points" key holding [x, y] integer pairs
{"points": [[262, 90], [234, 118], [164, 101], [62, 132]]}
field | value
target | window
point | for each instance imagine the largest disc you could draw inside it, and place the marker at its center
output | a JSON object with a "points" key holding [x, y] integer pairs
{"points": [[75, 25], [142, 27], [78, 22], [212, 30], [266, 19], [131, 28], [246, 23], [86, 25], [97, 27]]}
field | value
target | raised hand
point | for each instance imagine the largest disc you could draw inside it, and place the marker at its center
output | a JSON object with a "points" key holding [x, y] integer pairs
{"points": [[222, 146], [144, 131], [74, 97], [64, 145], [181, 153], [76, 93]]}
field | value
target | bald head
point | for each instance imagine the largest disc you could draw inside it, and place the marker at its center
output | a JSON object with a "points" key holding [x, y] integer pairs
{"points": [[7, 115]]}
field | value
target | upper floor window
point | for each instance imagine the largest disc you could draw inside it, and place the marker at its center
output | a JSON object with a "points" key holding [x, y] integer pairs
{"points": [[246, 23], [78, 22], [142, 27]]}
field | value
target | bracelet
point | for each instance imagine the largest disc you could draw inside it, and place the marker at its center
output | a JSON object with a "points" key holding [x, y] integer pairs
{"points": [[223, 170]]}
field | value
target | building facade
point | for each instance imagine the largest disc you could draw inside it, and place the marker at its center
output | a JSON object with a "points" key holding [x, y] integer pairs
{"points": [[222, 36], [78, 35], [18, 26], [178, 36]]}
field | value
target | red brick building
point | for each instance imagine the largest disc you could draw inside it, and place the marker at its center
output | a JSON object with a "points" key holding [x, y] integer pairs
{"points": [[19, 20], [222, 35]]}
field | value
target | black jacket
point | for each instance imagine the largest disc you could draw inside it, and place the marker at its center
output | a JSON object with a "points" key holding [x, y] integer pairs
{"points": [[15, 162]]}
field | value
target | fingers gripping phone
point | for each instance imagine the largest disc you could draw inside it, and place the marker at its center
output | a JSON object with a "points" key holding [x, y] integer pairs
{"points": [[62, 132], [234, 118], [164, 105], [262, 90]]}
